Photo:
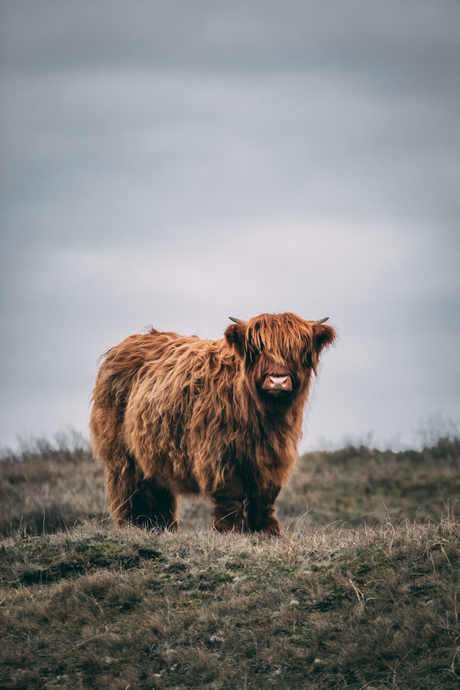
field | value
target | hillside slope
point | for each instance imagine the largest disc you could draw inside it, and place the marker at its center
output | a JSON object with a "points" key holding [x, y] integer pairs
{"points": [[95, 608], [362, 591]]}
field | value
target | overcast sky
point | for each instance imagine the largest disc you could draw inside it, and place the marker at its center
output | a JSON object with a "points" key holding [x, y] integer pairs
{"points": [[173, 163]]}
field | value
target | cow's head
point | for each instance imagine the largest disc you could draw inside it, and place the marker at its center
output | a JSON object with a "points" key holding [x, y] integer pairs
{"points": [[279, 353]]}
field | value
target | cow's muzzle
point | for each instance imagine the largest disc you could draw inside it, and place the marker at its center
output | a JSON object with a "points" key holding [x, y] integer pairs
{"points": [[277, 384]]}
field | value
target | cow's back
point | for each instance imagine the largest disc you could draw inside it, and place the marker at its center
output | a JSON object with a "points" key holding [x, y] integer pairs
{"points": [[177, 400], [117, 376]]}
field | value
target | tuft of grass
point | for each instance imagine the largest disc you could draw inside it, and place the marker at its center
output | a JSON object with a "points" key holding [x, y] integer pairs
{"points": [[95, 608]]}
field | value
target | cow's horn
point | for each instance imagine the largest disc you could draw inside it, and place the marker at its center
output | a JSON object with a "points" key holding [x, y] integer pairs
{"points": [[239, 321], [320, 321]]}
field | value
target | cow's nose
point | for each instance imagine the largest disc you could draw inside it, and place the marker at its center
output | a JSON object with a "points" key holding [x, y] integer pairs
{"points": [[278, 381]]}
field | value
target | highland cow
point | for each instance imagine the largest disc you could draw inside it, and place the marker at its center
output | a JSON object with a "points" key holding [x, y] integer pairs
{"points": [[175, 415]]}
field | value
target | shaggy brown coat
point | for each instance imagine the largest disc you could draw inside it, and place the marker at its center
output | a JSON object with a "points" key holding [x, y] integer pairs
{"points": [[176, 415]]}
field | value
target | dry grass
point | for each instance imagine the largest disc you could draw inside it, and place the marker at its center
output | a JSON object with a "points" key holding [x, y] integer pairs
{"points": [[98, 608], [49, 491], [45, 489], [359, 485], [353, 596]]}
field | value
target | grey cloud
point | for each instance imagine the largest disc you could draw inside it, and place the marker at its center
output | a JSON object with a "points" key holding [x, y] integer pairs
{"points": [[242, 35], [174, 162], [169, 145]]}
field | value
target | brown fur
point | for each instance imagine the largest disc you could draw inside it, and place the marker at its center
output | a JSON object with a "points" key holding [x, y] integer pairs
{"points": [[176, 415]]}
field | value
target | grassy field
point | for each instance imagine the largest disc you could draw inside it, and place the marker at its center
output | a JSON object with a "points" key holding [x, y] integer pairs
{"points": [[362, 591]]}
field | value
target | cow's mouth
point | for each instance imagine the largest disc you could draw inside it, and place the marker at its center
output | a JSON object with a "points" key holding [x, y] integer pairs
{"points": [[276, 384]]}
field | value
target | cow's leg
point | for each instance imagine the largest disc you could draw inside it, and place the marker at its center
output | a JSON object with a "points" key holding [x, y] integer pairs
{"points": [[121, 487], [230, 508], [261, 508], [154, 506], [139, 501]]}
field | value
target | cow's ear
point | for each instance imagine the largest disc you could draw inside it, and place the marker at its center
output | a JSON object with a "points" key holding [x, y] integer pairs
{"points": [[235, 336], [322, 337]]}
